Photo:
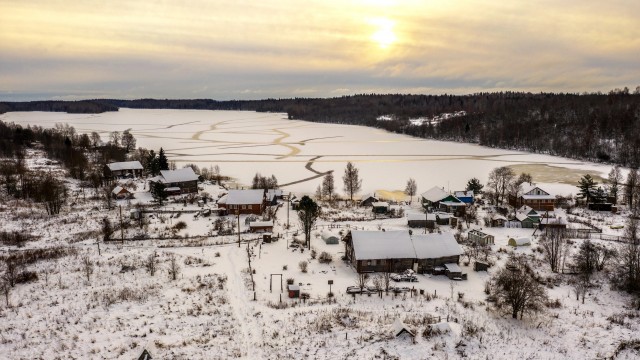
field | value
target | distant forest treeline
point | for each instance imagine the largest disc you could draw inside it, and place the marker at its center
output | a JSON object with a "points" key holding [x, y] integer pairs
{"points": [[596, 127]]}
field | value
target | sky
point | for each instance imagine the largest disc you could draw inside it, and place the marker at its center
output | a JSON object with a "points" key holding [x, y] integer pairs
{"points": [[55, 49]]}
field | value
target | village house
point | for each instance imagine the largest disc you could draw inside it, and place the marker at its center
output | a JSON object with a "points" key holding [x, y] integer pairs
{"points": [[380, 207], [464, 196], [369, 199], [453, 205], [244, 201], [176, 182], [120, 193], [536, 198], [397, 251], [498, 220], [432, 197], [118, 170], [260, 226]]}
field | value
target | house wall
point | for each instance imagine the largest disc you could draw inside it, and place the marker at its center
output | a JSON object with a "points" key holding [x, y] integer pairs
{"points": [[421, 224], [381, 265], [255, 209], [427, 265]]}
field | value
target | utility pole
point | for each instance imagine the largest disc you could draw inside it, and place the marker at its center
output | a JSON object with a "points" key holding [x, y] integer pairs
{"points": [[121, 227], [288, 204], [238, 213], [426, 220]]}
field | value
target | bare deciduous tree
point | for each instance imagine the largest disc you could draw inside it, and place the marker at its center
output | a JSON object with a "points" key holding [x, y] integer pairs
{"points": [[362, 280], [174, 267], [516, 289], [328, 187], [554, 243], [628, 276], [6, 289], [87, 267], [151, 264], [499, 180]]}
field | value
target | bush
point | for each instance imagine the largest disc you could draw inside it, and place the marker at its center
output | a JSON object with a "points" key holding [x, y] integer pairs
{"points": [[180, 225], [303, 266], [313, 254], [285, 267], [325, 258], [290, 281]]}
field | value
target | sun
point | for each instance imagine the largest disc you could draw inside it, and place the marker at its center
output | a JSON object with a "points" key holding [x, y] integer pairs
{"points": [[384, 35]]}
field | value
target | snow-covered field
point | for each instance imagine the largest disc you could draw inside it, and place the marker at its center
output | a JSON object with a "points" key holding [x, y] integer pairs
{"points": [[299, 152], [218, 309]]}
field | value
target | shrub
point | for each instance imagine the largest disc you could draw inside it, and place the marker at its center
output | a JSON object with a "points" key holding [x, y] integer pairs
{"points": [[290, 281], [180, 225], [303, 266], [325, 258], [313, 254], [284, 267]]}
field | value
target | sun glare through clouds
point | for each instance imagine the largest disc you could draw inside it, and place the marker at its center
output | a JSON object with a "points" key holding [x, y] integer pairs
{"points": [[384, 35]]}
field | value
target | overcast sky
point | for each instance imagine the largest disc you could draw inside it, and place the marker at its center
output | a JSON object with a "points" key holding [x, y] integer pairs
{"points": [[54, 49]]}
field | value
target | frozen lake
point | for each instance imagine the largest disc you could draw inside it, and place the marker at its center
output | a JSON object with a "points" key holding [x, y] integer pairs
{"points": [[298, 153]]}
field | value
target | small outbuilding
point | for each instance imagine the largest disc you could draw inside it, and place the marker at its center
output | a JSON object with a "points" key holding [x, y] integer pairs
{"points": [[294, 291], [330, 238], [480, 238], [380, 207], [260, 226], [553, 223], [120, 193], [421, 220], [480, 266], [498, 220], [369, 199], [453, 271], [523, 241], [402, 330]]}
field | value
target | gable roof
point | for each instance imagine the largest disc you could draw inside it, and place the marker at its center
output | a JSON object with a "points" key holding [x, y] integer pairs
{"points": [[261, 224], [245, 197], [125, 165], [380, 204], [537, 193], [372, 245], [526, 209], [180, 175], [416, 216], [399, 328], [460, 194], [369, 196], [118, 189], [434, 194], [432, 246]]}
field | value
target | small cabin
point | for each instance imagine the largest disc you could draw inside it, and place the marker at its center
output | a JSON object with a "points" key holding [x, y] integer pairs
{"points": [[260, 226], [380, 207], [294, 291]]}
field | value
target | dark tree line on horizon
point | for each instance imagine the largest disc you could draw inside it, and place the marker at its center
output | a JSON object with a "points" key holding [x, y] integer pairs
{"points": [[596, 127]]}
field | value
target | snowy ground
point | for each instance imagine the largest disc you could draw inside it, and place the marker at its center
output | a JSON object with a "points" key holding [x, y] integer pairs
{"points": [[209, 311]]}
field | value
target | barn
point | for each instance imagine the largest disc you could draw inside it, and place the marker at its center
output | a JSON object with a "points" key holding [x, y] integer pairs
{"points": [[434, 250]]}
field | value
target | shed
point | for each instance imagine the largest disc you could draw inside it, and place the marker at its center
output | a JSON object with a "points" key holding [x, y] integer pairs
{"points": [[442, 218], [145, 355], [553, 223], [330, 238], [421, 220], [478, 237], [294, 291], [368, 199], [523, 241], [380, 207], [400, 329], [260, 226], [498, 220], [453, 271], [120, 193], [480, 266]]}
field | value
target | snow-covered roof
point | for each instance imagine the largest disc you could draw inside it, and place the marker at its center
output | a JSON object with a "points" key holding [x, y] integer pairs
{"points": [[370, 195], [416, 216], [453, 203], [453, 267], [261, 224], [537, 193], [271, 193], [522, 216], [554, 221], [245, 197], [434, 194], [526, 209], [172, 189], [459, 194], [433, 246], [478, 233], [118, 190], [498, 217], [521, 241], [399, 327], [125, 165], [328, 235], [380, 204], [443, 215], [180, 175], [371, 245]]}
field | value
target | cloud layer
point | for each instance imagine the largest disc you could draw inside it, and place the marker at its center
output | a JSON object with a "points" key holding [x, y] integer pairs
{"points": [[250, 50]]}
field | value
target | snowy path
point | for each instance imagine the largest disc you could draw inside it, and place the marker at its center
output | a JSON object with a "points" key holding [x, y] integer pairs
{"points": [[243, 309]]}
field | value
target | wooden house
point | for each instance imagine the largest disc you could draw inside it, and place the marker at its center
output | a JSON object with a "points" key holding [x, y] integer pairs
{"points": [[452, 205], [498, 220], [118, 170], [244, 201], [379, 251], [369, 199], [434, 250], [536, 198], [176, 182], [431, 198], [421, 220], [464, 196], [480, 238]]}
